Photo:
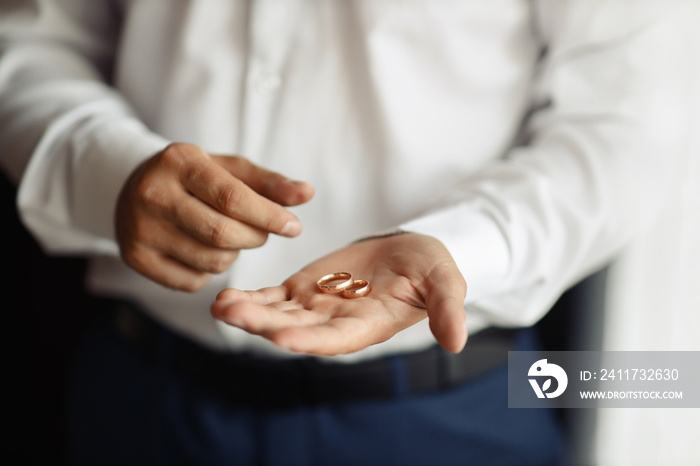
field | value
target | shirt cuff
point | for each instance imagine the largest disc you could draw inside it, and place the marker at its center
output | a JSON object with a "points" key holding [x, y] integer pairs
{"points": [[108, 157], [475, 242]]}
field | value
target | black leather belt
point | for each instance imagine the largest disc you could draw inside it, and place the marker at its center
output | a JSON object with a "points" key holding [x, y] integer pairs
{"points": [[249, 379]]}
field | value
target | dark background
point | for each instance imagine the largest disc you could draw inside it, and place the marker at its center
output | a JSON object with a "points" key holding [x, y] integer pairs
{"points": [[48, 312]]}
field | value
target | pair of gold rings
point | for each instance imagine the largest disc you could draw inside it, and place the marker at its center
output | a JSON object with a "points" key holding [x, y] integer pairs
{"points": [[343, 283]]}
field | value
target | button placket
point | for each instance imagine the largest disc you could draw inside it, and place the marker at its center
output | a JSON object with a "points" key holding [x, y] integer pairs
{"points": [[272, 27]]}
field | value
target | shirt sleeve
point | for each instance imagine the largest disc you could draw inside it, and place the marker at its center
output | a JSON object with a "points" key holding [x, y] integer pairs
{"points": [[66, 136], [603, 143]]}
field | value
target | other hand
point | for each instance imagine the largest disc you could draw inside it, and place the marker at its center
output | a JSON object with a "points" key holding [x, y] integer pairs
{"points": [[184, 214]]}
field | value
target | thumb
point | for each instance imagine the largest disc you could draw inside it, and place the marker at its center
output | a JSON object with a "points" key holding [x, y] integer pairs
{"points": [[274, 186], [444, 293]]}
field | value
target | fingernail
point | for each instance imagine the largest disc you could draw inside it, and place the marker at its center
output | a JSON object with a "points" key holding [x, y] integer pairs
{"points": [[291, 228]]}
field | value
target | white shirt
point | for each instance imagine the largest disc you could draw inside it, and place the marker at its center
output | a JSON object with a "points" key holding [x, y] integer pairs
{"points": [[401, 113]]}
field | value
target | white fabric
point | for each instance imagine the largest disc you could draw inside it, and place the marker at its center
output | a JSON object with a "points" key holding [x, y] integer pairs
{"points": [[654, 305], [400, 113]]}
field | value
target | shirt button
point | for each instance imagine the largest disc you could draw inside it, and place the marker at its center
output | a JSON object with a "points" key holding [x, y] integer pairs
{"points": [[267, 83]]}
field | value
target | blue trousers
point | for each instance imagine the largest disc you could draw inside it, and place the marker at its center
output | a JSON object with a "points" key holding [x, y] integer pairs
{"points": [[126, 409]]}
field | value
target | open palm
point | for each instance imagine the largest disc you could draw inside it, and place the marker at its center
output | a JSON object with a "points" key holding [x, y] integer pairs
{"points": [[411, 277]]}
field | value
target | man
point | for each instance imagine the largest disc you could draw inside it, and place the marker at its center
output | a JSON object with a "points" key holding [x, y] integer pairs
{"points": [[513, 145]]}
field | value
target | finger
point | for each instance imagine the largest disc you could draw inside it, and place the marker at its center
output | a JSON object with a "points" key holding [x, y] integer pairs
{"points": [[444, 293], [165, 270], [213, 228], [235, 199], [287, 306], [214, 185], [169, 241], [338, 336], [263, 319], [262, 297], [272, 185]]}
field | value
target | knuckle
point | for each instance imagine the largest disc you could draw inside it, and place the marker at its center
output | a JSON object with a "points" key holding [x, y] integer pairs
{"points": [[230, 199], [227, 294], [150, 194], [180, 157], [261, 239], [132, 255], [219, 263], [214, 262], [137, 259], [172, 156], [220, 233], [176, 151], [147, 190], [195, 283]]}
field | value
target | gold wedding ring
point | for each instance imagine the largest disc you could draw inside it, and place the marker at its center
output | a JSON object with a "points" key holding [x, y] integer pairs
{"points": [[356, 289], [342, 282], [334, 282]]}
